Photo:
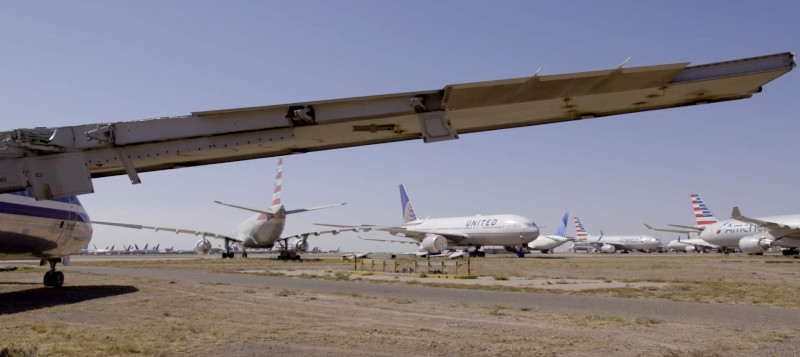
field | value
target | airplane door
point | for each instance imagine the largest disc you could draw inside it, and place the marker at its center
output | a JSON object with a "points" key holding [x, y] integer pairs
{"points": [[68, 225]]}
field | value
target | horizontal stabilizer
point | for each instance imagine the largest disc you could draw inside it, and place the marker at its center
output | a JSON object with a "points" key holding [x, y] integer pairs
{"points": [[256, 210], [314, 208]]}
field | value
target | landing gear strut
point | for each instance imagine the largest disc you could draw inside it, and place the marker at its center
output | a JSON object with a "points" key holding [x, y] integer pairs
{"points": [[52, 277], [227, 253]]}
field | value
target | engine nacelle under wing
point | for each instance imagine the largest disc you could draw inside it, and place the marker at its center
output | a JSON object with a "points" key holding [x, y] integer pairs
{"points": [[433, 244], [608, 248], [755, 244], [203, 246]]}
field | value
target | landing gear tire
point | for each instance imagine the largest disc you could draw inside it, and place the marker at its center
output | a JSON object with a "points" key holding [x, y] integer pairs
{"points": [[244, 254], [520, 254], [54, 279]]}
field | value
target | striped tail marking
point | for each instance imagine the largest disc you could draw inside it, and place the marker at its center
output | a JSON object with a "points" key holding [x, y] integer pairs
{"points": [[276, 195], [579, 230], [701, 212]]}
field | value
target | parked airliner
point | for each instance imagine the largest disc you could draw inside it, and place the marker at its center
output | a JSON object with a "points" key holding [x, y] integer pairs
{"points": [[547, 243], [750, 235], [611, 244], [46, 230], [262, 230], [436, 235]]}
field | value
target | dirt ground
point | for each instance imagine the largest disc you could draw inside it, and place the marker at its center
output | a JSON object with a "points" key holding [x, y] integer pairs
{"points": [[100, 315]]}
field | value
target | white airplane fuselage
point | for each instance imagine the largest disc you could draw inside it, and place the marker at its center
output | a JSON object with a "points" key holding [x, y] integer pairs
{"points": [[729, 232], [642, 242], [546, 242], [46, 229], [503, 229], [261, 230]]}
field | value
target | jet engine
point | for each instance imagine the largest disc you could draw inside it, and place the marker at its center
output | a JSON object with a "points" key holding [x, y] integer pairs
{"points": [[758, 243], [301, 246], [433, 244], [203, 247], [608, 248], [689, 249]]}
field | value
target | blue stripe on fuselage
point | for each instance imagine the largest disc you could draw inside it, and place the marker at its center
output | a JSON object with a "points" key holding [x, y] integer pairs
{"points": [[42, 212]]}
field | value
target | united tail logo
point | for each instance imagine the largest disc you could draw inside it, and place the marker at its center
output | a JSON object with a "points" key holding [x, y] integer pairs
{"points": [[408, 210]]}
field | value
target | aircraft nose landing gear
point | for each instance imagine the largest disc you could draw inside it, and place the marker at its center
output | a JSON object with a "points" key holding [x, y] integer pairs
{"points": [[52, 277]]}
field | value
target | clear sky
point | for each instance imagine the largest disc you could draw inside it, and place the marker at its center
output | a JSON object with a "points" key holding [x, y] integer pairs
{"points": [[69, 63]]}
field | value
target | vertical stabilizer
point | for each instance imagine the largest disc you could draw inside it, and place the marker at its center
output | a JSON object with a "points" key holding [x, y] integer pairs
{"points": [[701, 212], [562, 229], [276, 195], [408, 210], [580, 232]]}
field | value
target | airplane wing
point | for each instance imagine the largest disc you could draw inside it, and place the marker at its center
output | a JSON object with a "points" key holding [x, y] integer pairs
{"points": [[452, 239], [168, 229], [58, 162], [362, 228], [672, 230], [737, 215], [391, 240], [317, 233]]}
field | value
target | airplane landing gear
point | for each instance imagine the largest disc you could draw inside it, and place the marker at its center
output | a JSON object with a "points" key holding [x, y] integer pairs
{"points": [[228, 253], [52, 277]]}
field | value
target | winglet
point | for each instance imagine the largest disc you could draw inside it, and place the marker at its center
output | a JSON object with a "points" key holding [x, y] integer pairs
{"points": [[735, 214]]}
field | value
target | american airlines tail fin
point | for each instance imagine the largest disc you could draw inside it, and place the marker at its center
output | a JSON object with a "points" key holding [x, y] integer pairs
{"points": [[276, 194], [276, 199], [562, 229], [580, 232], [408, 210], [701, 212]]}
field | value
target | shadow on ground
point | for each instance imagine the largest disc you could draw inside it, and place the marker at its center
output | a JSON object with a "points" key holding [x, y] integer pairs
{"points": [[32, 299]]}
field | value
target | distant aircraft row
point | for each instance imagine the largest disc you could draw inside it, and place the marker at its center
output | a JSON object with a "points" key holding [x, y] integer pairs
{"points": [[749, 235]]}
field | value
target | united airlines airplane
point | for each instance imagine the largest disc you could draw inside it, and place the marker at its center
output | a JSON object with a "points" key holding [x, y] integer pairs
{"points": [[49, 231], [436, 235], [546, 244], [611, 244]]}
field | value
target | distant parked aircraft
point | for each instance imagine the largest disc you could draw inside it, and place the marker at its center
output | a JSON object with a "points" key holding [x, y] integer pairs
{"points": [[437, 235], [547, 243], [611, 244], [262, 230]]}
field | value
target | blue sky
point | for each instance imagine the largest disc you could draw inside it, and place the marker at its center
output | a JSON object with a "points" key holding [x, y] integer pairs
{"points": [[69, 63]]}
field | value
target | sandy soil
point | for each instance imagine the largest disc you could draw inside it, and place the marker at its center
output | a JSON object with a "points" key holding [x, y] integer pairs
{"points": [[100, 315]]}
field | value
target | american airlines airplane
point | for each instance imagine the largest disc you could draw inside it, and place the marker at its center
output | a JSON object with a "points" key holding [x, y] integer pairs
{"points": [[750, 235], [437, 235], [43, 230], [261, 230], [611, 244], [546, 244]]}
